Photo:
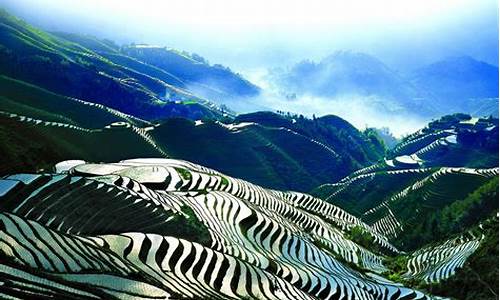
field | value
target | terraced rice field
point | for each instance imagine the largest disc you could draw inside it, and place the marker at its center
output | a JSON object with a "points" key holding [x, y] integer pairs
{"points": [[359, 193], [395, 196], [261, 243], [160, 228], [81, 141], [437, 189], [439, 262]]}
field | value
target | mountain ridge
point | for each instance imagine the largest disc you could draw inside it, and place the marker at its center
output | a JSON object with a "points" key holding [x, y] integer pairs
{"points": [[440, 88]]}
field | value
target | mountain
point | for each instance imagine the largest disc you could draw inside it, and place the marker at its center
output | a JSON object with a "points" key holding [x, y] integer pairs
{"points": [[119, 181], [181, 69], [457, 84], [66, 93], [62, 94], [454, 142], [344, 72], [461, 83], [209, 81], [351, 74], [354, 147], [73, 70]]}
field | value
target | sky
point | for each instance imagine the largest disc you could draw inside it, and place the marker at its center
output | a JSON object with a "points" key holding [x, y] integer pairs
{"points": [[247, 35]]}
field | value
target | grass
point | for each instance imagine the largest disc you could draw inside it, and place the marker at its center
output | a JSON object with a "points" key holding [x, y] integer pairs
{"points": [[224, 181], [396, 266], [185, 174], [190, 228]]}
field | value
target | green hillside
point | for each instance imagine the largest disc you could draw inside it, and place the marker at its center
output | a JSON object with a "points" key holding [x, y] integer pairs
{"points": [[176, 68], [267, 156], [274, 157], [356, 149], [25, 99], [28, 147], [73, 70]]}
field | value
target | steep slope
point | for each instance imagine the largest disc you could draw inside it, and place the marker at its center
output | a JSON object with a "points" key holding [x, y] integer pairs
{"points": [[275, 156], [452, 141], [416, 210], [355, 148], [477, 279], [30, 144], [180, 69], [209, 81], [25, 99], [69, 69], [263, 244], [455, 141]]}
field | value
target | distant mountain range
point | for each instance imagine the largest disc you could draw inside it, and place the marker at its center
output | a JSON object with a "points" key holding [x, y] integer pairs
{"points": [[459, 84]]}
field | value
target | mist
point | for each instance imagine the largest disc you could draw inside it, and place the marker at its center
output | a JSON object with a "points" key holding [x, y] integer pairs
{"points": [[360, 111]]}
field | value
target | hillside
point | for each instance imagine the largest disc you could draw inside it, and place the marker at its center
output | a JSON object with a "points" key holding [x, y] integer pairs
{"points": [[73, 70], [180, 69], [209, 81], [450, 144], [26, 99], [259, 252], [354, 147], [275, 156], [433, 196]]}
